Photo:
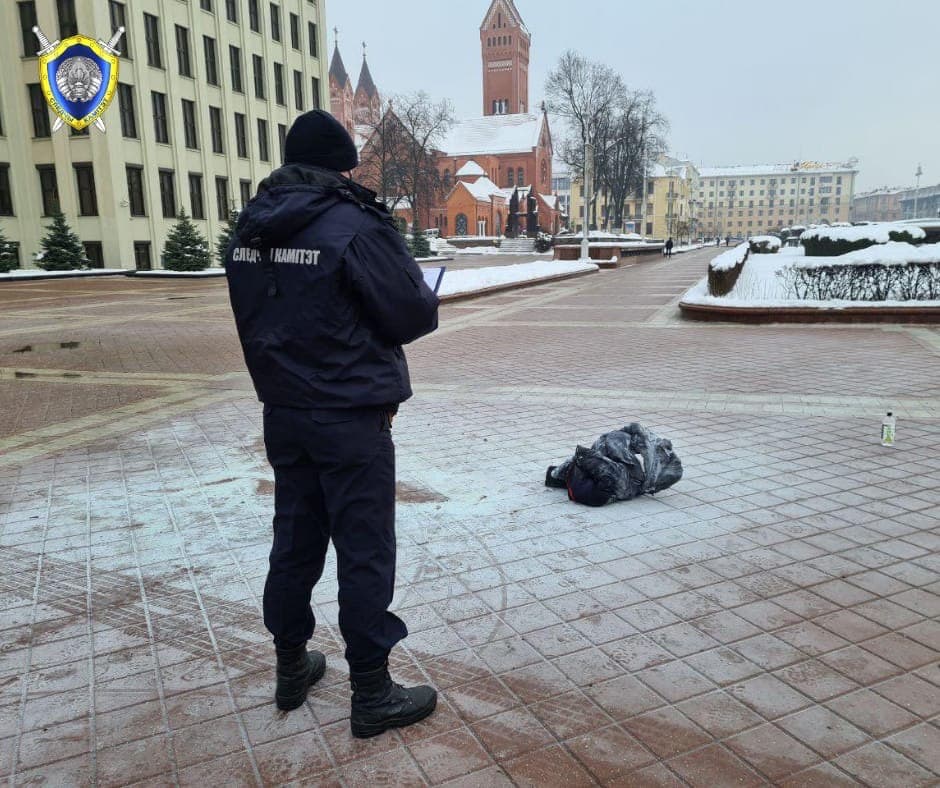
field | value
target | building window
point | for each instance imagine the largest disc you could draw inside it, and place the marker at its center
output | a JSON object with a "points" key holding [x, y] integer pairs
{"points": [[161, 129], [6, 195], [152, 36], [94, 251], [257, 68], [206, 5], [263, 152], [212, 63], [298, 91], [312, 38], [231, 10], [127, 111], [275, 22], [142, 261], [235, 63], [215, 126], [87, 198], [189, 124], [512, 177], [241, 135], [254, 18], [119, 19], [28, 21], [281, 138], [40, 111], [48, 188], [68, 24], [135, 190], [196, 203], [167, 193], [244, 187], [315, 88], [183, 59], [520, 176], [221, 198], [279, 96], [295, 31]]}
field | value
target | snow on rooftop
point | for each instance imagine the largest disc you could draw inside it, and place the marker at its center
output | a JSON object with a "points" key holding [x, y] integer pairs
{"points": [[798, 168], [469, 169], [482, 189], [493, 134]]}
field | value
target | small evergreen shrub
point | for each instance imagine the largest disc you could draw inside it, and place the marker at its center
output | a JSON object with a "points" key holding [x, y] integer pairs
{"points": [[8, 255], [764, 244], [225, 237], [543, 242], [62, 249], [420, 245], [186, 249]]}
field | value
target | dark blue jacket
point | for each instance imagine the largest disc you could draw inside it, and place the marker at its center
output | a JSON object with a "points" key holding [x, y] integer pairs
{"points": [[325, 294]]}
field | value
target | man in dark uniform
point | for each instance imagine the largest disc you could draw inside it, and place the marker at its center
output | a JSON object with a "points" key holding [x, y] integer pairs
{"points": [[325, 294]]}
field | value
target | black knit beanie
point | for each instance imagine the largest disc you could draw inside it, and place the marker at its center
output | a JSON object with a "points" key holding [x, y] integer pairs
{"points": [[319, 139]]}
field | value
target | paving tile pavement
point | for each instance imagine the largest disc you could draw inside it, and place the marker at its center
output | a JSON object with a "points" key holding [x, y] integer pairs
{"points": [[773, 619]]}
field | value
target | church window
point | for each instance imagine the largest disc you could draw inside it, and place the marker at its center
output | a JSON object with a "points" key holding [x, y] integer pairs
{"points": [[460, 224], [512, 177], [520, 177]]}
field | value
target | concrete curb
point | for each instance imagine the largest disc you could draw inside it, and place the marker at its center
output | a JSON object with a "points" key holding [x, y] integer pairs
{"points": [[808, 314]]}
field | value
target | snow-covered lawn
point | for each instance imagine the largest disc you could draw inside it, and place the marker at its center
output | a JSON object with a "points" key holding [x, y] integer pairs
{"points": [[494, 250], [197, 274], [473, 280], [760, 286], [20, 273]]}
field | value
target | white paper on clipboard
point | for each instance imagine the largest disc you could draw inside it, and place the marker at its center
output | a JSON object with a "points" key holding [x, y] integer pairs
{"points": [[434, 277]]}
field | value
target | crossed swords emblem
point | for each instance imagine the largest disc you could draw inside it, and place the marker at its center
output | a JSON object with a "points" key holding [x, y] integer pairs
{"points": [[47, 46]]}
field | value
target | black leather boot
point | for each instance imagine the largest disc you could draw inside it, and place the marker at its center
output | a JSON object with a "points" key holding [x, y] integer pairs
{"points": [[297, 671], [378, 703]]}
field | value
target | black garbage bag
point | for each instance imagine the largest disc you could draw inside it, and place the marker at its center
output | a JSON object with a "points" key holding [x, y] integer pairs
{"points": [[620, 466]]}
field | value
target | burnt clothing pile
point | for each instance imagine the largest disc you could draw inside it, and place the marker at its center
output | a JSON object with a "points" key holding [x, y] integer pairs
{"points": [[620, 466]]}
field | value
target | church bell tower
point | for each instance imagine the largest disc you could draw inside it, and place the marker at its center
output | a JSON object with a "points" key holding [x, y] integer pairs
{"points": [[505, 42]]}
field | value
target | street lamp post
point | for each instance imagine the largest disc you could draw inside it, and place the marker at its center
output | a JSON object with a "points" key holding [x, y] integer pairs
{"points": [[917, 190], [588, 188]]}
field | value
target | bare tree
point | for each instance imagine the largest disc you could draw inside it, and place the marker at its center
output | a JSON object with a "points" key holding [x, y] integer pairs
{"points": [[636, 134], [624, 126], [424, 124], [382, 160]]}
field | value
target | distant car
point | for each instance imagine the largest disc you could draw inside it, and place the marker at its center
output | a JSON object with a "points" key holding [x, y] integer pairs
{"points": [[433, 232]]}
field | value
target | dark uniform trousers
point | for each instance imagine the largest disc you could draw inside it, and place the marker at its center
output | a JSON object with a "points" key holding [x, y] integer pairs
{"points": [[334, 478]]}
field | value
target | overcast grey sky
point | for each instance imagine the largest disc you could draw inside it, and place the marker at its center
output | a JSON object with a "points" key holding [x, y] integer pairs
{"points": [[741, 81]]}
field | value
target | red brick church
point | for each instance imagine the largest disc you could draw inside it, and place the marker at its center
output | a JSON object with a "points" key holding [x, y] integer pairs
{"points": [[484, 161]]}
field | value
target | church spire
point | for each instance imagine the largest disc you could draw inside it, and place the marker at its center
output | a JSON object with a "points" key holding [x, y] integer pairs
{"points": [[366, 83], [337, 67]]}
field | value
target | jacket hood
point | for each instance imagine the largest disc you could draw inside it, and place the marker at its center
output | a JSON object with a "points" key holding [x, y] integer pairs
{"points": [[288, 200]]}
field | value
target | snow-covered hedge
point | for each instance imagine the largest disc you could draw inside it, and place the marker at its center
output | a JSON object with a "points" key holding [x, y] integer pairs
{"points": [[725, 269], [836, 241], [764, 244], [890, 272]]}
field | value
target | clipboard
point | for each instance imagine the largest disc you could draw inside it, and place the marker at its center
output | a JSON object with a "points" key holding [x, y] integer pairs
{"points": [[433, 277]]}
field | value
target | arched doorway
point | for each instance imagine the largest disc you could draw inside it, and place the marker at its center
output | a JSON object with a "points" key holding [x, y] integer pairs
{"points": [[460, 224]]}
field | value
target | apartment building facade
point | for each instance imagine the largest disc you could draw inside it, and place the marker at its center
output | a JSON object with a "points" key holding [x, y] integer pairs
{"points": [[751, 200], [206, 92]]}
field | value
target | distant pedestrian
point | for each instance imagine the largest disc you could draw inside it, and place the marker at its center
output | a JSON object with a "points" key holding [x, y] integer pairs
{"points": [[728, 241], [669, 245], [718, 241]]}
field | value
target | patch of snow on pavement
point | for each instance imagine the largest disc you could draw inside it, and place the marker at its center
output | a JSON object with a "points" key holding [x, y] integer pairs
{"points": [[471, 280]]}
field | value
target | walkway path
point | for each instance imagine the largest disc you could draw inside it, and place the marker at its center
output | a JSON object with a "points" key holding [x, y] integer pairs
{"points": [[771, 619]]}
